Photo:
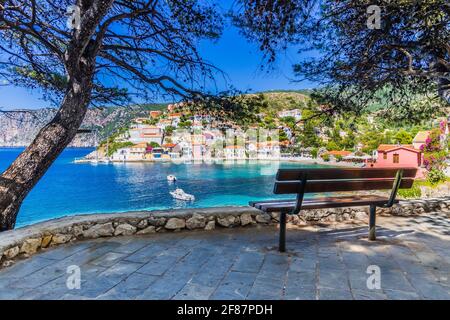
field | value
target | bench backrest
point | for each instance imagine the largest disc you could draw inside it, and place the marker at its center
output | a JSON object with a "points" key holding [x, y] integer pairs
{"points": [[289, 181]]}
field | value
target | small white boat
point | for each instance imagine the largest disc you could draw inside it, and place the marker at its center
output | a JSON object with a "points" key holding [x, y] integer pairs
{"points": [[181, 195], [171, 177]]}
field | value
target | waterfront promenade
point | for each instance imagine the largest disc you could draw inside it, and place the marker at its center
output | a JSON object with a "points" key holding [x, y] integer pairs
{"points": [[322, 262]]}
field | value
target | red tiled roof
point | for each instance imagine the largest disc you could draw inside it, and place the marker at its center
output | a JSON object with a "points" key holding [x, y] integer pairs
{"points": [[390, 147], [342, 153]]}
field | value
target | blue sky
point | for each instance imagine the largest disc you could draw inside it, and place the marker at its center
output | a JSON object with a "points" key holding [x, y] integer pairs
{"points": [[232, 53]]}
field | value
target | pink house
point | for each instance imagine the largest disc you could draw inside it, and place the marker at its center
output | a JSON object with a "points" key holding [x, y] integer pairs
{"points": [[391, 155]]}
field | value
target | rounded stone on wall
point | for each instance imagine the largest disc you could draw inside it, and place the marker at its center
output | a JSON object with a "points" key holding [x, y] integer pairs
{"points": [[46, 241], [99, 230], [77, 231], [360, 215], [30, 246], [7, 263], [263, 218], [246, 218], [124, 229], [211, 225], [226, 221], [175, 223], [157, 222], [197, 221], [11, 252], [60, 238], [142, 224], [150, 229]]}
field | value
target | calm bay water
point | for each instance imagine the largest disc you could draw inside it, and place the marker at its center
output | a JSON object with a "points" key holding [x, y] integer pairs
{"points": [[69, 188]]}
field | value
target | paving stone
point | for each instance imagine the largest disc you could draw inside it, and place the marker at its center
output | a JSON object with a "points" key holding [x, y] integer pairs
{"points": [[301, 280], [303, 264], [355, 260], [308, 293], [146, 253], [166, 287], [213, 271], [401, 295], [159, 264], [236, 285], [108, 259], [274, 266], [369, 295], [428, 287], [121, 269], [129, 288], [131, 246], [395, 280], [7, 293], [334, 294], [24, 268], [334, 279], [64, 251], [243, 263], [265, 288], [358, 279], [194, 292], [249, 262], [331, 263]]}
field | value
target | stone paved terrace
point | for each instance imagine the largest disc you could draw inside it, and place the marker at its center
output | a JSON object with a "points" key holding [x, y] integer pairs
{"points": [[321, 263]]}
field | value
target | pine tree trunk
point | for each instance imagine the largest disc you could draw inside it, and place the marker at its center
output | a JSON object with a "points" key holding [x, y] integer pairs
{"points": [[23, 174]]}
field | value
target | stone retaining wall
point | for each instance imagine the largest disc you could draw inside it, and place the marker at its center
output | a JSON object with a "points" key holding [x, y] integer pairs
{"points": [[23, 242]]}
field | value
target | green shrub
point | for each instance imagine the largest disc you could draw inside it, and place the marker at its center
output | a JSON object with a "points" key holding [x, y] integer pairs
{"points": [[338, 158], [314, 153], [414, 192], [326, 157], [435, 176]]}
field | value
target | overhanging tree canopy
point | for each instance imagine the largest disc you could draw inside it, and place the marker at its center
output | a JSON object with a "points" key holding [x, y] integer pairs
{"points": [[111, 52], [408, 54]]}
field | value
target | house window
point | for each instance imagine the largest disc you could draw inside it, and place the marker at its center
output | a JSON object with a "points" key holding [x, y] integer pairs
{"points": [[396, 158], [384, 155]]}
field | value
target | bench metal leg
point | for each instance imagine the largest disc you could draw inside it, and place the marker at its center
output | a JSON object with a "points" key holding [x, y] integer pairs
{"points": [[372, 222], [282, 240]]}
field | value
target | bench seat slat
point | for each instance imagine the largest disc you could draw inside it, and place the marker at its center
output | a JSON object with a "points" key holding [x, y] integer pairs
{"points": [[319, 186], [252, 203], [320, 203]]}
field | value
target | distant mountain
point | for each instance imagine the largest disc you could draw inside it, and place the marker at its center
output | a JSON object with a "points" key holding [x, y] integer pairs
{"points": [[19, 128]]}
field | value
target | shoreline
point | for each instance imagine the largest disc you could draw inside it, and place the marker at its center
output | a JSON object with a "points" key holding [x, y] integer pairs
{"points": [[210, 161]]}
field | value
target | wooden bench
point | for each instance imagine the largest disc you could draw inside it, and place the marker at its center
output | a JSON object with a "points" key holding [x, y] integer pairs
{"points": [[329, 180]]}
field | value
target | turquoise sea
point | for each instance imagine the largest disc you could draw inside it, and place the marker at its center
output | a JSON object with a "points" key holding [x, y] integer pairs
{"points": [[69, 188]]}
